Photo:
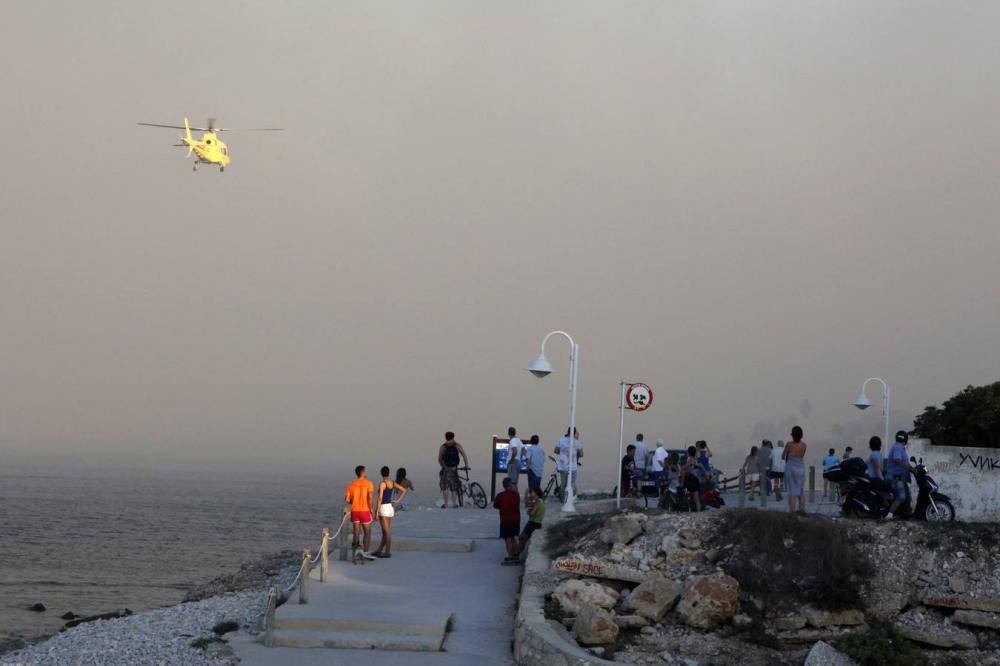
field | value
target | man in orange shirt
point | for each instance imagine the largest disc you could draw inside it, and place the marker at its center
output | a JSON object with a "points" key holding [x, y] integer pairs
{"points": [[360, 495]]}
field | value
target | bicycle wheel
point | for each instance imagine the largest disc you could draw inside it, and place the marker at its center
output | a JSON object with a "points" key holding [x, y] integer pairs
{"points": [[462, 489], [477, 494]]}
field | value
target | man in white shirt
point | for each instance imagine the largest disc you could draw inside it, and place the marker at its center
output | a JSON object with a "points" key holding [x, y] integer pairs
{"points": [[514, 451], [660, 456], [777, 472], [641, 454], [534, 458], [562, 463]]}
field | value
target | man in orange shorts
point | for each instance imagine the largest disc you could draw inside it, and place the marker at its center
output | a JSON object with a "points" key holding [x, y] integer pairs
{"points": [[360, 495]]}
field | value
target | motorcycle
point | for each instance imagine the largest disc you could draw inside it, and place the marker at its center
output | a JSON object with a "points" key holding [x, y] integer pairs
{"points": [[678, 498], [864, 497]]}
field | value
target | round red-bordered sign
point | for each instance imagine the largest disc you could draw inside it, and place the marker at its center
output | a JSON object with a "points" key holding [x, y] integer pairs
{"points": [[639, 397]]}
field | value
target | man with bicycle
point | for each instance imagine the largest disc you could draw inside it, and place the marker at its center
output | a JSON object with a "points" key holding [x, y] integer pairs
{"points": [[448, 459]]}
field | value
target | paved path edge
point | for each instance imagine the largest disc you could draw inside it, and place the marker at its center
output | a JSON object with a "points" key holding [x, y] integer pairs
{"points": [[535, 640]]}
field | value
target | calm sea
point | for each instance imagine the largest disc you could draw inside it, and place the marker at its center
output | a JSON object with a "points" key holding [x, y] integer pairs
{"points": [[94, 539]]}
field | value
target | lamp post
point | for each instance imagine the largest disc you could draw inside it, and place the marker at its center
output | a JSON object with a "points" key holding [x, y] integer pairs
{"points": [[541, 367], [863, 403]]}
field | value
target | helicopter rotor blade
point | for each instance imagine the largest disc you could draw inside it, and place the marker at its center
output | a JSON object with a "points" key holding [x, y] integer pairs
{"points": [[180, 127]]}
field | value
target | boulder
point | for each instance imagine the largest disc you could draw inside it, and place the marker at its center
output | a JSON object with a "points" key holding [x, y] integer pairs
{"points": [[928, 626], [598, 568], [824, 654], [789, 622], [985, 604], [69, 615], [977, 619], [631, 621], [594, 626], [573, 593], [710, 601], [653, 599], [823, 618], [102, 616], [37, 608], [621, 528]]}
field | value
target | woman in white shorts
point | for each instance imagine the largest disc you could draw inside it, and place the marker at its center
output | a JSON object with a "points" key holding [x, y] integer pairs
{"points": [[389, 494]]}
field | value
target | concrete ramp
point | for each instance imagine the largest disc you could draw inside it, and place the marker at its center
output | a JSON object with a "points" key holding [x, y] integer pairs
{"points": [[348, 634], [432, 545]]}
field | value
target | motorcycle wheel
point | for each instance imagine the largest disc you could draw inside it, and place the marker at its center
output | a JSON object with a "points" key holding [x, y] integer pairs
{"points": [[945, 512]]}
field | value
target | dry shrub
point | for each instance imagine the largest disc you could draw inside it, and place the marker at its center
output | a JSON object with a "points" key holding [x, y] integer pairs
{"points": [[785, 560], [561, 537]]}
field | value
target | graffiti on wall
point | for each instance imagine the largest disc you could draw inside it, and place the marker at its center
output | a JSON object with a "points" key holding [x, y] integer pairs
{"points": [[982, 463]]}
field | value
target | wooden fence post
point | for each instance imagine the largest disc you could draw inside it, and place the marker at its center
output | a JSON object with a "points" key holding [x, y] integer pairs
{"points": [[272, 598], [812, 484], [743, 490], [304, 578], [324, 556], [345, 535]]}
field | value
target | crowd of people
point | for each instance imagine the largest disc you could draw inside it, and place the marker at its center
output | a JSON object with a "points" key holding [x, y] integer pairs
{"points": [[892, 472], [767, 468], [391, 497], [665, 469]]}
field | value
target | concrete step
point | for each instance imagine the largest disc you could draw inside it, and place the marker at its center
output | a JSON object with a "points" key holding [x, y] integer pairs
{"points": [[358, 640], [335, 625]]}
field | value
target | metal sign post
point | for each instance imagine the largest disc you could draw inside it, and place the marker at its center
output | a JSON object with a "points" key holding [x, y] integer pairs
{"points": [[638, 397]]}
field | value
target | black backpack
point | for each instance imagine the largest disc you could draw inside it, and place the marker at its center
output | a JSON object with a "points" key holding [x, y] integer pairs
{"points": [[450, 456]]}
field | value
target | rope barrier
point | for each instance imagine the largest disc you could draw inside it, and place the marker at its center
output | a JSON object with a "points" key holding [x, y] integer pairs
{"points": [[319, 554]]}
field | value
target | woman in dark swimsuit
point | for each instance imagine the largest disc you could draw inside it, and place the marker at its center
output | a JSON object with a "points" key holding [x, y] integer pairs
{"points": [[386, 510]]}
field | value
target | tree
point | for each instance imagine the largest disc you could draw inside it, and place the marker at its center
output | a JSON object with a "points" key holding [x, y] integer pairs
{"points": [[971, 417]]}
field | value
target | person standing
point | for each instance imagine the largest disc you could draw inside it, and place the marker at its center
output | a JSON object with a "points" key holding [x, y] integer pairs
{"points": [[658, 461], [448, 459], [704, 456], [535, 462], [404, 487], [897, 469], [641, 454], [764, 465], [830, 490], [628, 470], [777, 472], [876, 466], [386, 511], [508, 503], [795, 470], [360, 496], [563, 462], [514, 450], [691, 475], [848, 452], [749, 470]]}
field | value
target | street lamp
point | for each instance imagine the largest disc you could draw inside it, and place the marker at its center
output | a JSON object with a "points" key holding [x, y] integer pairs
{"points": [[541, 367], [863, 402]]}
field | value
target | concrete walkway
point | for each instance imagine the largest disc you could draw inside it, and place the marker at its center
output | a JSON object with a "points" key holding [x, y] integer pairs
{"points": [[413, 588]]}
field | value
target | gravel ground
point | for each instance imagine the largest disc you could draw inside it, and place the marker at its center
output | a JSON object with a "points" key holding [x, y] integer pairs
{"points": [[161, 636]]}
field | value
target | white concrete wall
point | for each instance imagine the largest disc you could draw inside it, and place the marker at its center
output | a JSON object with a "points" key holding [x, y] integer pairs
{"points": [[970, 476]]}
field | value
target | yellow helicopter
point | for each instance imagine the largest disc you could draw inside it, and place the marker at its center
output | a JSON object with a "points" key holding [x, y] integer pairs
{"points": [[209, 149]]}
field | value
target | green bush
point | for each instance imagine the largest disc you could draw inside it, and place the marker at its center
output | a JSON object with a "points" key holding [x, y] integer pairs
{"points": [[881, 644], [205, 641], [553, 611]]}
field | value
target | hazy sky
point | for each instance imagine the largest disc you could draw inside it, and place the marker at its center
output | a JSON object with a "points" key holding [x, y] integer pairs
{"points": [[744, 204]]}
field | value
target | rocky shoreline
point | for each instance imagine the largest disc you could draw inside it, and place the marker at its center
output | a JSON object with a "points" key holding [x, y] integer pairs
{"points": [[179, 634], [737, 587]]}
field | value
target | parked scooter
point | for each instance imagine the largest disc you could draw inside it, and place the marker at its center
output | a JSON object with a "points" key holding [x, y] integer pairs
{"points": [[864, 497]]}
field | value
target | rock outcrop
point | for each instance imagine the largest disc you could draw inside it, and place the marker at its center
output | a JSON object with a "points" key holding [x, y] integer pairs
{"points": [[710, 601], [594, 626]]}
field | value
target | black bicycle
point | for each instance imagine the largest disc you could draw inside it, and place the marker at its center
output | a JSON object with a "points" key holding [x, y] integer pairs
{"points": [[554, 484], [473, 490]]}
